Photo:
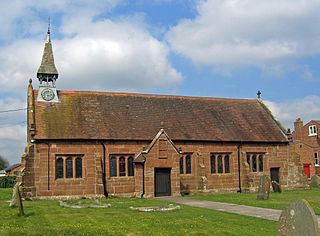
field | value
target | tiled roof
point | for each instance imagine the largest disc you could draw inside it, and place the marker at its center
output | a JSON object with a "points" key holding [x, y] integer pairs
{"points": [[10, 168], [98, 115]]}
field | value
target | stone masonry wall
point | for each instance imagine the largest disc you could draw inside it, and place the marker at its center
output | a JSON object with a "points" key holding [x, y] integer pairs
{"points": [[40, 181]]}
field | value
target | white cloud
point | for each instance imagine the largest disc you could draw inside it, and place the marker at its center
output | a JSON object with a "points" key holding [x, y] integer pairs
{"points": [[287, 112], [99, 55], [248, 32], [20, 18]]}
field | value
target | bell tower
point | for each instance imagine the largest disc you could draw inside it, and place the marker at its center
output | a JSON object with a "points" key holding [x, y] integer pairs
{"points": [[47, 73]]}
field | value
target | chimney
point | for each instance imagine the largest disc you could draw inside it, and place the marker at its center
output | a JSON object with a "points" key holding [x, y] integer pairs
{"points": [[298, 125]]}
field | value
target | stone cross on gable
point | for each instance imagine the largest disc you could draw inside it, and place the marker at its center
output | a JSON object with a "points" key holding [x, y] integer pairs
{"points": [[259, 94]]}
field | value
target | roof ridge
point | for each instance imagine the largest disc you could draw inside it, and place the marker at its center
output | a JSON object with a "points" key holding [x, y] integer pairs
{"points": [[152, 95]]}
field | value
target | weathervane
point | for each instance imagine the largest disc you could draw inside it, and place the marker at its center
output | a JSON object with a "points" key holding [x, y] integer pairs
{"points": [[49, 25]]}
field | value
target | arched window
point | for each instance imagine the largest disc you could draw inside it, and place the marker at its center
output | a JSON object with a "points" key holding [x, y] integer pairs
{"points": [[113, 167], [226, 164], [69, 168], [260, 163], [59, 168], [181, 165], [122, 166], [188, 164], [220, 167], [213, 164], [254, 163], [78, 167], [130, 166]]}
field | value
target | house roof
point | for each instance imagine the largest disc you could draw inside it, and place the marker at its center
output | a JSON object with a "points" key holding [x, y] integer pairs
{"points": [[101, 115], [10, 168]]}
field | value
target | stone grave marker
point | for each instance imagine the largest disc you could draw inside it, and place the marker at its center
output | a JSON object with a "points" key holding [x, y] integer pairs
{"points": [[298, 218], [315, 181], [264, 187], [276, 187]]}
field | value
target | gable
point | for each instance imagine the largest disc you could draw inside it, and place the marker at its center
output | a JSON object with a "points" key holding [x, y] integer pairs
{"points": [[116, 116]]}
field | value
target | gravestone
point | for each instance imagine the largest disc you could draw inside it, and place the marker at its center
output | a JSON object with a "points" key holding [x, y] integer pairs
{"points": [[264, 187], [14, 195], [276, 187], [298, 218], [315, 181]]}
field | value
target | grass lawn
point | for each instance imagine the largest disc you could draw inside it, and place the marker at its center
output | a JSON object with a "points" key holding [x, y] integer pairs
{"points": [[48, 218], [275, 201]]}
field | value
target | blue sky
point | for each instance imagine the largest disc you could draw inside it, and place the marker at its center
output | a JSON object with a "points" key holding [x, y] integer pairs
{"points": [[214, 48]]}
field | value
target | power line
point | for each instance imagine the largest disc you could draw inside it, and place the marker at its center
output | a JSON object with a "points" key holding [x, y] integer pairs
{"points": [[22, 109], [11, 125]]}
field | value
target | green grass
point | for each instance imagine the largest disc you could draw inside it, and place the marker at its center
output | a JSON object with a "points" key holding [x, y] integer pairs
{"points": [[275, 201], [48, 218]]}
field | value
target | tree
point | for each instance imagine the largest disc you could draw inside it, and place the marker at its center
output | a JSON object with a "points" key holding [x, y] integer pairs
{"points": [[3, 163]]}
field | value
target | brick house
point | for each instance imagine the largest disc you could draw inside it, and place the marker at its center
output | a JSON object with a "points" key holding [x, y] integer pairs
{"points": [[94, 144], [307, 145], [13, 169]]}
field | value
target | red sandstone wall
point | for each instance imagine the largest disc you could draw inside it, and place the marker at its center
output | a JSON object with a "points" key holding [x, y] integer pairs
{"points": [[92, 185]]}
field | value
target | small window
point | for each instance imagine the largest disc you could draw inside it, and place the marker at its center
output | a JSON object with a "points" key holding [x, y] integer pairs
{"points": [[181, 165], [130, 166], [226, 164], [316, 159], [59, 168], [188, 164], [78, 167], [220, 167], [69, 168], [213, 164], [260, 163], [113, 167], [121, 166], [312, 130], [254, 163]]}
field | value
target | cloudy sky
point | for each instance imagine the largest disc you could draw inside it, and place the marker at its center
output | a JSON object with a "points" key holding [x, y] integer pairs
{"points": [[214, 48]]}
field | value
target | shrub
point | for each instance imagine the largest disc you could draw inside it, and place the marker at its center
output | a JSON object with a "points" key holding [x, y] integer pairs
{"points": [[8, 181]]}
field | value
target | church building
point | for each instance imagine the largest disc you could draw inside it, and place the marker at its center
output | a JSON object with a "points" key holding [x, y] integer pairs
{"points": [[96, 144]]}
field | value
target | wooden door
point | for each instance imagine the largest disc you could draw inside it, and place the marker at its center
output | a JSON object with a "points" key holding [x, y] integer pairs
{"points": [[274, 173], [162, 183]]}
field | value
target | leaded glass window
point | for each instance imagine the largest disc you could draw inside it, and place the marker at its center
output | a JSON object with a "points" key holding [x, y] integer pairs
{"points": [[59, 168], [220, 167], [260, 163], [122, 166], [226, 164], [113, 167], [188, 164], [78, 167], [130, 166], [254, 163], [69, 167], [181, 165], [213, 164], [248, 160]]}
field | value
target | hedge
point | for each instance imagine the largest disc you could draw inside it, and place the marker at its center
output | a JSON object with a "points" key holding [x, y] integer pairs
{"points": [[7, 181]]}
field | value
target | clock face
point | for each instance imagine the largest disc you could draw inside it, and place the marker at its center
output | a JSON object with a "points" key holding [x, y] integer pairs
{"points": [[47, 94]]}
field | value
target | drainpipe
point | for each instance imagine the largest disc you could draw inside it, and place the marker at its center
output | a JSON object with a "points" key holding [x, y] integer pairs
{"points": [[48, 165], [143, 186], [239, 170], [104, 171]]}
